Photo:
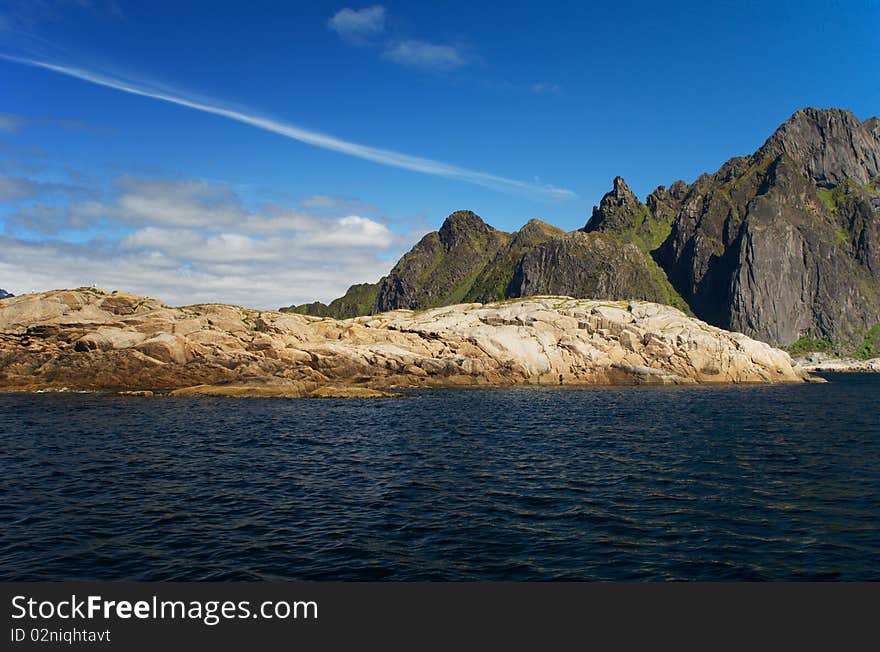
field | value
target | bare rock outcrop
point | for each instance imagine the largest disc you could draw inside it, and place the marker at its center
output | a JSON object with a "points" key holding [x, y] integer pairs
{"points": [[89, 339]]}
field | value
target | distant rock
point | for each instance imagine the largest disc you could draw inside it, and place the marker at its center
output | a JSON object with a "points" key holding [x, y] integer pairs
{"points": [[819, 362], [89, 339], [359, 300], [4, 294]]}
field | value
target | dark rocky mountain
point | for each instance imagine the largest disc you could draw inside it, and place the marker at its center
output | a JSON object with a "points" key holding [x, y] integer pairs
{"points": [[606, 259], [783, 245], [592, 266], [4, 294], [494, 282]]}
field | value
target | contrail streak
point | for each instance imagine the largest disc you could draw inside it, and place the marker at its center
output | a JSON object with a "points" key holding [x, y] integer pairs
{"points": [[377, 155]]}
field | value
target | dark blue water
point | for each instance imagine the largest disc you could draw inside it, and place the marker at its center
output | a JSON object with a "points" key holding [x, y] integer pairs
{"points": [[723, 483]]}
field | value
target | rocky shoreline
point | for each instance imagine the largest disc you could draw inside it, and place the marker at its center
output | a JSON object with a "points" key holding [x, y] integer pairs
{"points": [[92, 340], [818, 362]]}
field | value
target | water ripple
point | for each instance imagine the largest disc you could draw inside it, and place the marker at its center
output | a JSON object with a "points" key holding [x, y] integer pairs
{"points": [[705, 483]]}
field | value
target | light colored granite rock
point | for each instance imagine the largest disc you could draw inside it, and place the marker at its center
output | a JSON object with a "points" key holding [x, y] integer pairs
{"points": [[824, 362], [92, 339]]}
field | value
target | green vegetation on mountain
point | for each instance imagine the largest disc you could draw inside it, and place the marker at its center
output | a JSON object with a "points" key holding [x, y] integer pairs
{"points": [[777, 244], [810, 344], [594, 265], [443, 266], [493, 281], [870, 346], [359, 300]]}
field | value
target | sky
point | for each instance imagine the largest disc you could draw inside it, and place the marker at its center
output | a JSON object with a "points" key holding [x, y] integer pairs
{"points": [[268, 153]]}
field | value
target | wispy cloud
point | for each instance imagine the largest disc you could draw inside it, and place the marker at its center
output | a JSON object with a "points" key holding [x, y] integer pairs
{"points": [[13, 188], [362, 27], [543, 88], [294, 132], [335, 203], [27, 14], [10, 123], [358, 25], [424, 55]]}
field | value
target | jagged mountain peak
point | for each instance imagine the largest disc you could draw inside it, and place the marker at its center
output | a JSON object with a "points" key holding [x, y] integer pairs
{"points": [[616, 210], [538, 227], [831, 145], [619, 195], [620, 189], [816, 114], [678, 190], [462, 220], [818, 120]]}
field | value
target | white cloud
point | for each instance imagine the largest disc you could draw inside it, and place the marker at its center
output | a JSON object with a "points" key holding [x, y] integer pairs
{"points": [[269, 283], [43, 220], [189, 241], [375, 154], [190, 203], [358, 25], [240, 270], [426, 56], [355, 231]]}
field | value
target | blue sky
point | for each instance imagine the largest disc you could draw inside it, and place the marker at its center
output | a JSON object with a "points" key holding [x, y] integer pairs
{"points": [[278, 152]]}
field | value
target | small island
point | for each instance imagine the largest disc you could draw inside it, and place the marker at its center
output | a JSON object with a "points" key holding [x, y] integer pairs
{"points": [[92, 340]]}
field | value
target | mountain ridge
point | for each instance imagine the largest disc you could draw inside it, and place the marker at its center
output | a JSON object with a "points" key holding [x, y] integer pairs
{"points": [[781, 245]]}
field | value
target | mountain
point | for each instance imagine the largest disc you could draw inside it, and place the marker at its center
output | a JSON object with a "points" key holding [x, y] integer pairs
{"points": [[469, 261], [609, 256], [4, 294], [782, 245], [592, 266], [439, 270], [442, 267], [360, 299], [493, 283]]}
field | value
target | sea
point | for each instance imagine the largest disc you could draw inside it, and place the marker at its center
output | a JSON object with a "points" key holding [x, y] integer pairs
{"points": [[729, 483]]}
